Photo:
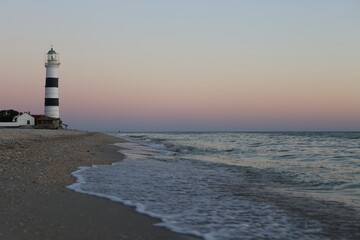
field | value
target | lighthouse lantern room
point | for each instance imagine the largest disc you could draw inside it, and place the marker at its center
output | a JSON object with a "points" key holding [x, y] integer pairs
{"points": [[52, 64]]}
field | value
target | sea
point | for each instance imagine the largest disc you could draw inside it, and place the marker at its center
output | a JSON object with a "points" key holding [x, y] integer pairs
{"points": [[237, 185]]}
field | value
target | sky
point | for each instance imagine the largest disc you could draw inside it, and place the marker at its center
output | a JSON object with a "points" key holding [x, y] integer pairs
{"points": [[187, 65]]}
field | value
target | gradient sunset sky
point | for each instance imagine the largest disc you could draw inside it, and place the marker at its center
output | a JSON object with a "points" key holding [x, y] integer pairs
{"points": [[150, 65]]}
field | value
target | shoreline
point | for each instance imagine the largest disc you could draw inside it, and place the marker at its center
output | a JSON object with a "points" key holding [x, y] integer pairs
{"points": [[36, 167]]}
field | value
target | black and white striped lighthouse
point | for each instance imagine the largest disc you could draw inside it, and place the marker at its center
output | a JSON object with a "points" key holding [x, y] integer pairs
{"points": [[52, 64]]}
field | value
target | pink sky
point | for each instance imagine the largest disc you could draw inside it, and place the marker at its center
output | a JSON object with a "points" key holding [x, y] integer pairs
{"points": [[154, 67]]}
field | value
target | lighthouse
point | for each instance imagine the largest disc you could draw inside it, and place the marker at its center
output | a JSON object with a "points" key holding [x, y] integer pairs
{"points": [[52, 64]]}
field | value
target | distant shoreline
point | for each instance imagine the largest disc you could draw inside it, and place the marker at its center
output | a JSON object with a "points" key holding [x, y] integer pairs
{"points": [[35, 167]]}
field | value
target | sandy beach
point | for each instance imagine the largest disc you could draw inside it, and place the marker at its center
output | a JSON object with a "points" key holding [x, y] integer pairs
{"points": [[35, 167]]}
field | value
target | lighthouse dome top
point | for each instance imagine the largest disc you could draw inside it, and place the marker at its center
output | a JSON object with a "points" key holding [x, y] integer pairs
{"points": [[52, 58], [52, 51]]}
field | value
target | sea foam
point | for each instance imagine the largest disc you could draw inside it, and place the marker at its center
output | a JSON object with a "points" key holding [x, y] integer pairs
{"points": [[204, 199]]}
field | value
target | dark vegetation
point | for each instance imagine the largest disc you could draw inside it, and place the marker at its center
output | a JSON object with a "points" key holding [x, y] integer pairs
{"points": [[8, 115]]}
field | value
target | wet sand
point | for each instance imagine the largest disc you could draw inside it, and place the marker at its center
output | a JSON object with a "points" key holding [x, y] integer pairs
{"points": [[35, 167]]}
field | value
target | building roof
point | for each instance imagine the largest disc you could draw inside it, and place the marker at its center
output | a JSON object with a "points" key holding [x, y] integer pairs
{"points": [[43, 117], [52, 51], [22, 114], [37, 116]]}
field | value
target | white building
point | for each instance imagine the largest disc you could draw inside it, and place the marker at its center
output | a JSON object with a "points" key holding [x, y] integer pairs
{"points": [[23, 119]]}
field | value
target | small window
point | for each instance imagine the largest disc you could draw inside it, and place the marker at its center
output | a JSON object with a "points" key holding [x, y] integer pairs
{"points": [[28, 122]]}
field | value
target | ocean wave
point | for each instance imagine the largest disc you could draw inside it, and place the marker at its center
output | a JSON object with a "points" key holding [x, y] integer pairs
{"points": [[248, 191], [191, 199]]}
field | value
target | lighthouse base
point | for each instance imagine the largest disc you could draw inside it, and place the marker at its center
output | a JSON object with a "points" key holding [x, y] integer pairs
{"points": [[52, 111]]}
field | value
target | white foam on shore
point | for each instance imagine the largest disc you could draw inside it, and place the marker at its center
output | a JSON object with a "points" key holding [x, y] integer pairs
{"points": [[189, 197], [140, 208]]}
